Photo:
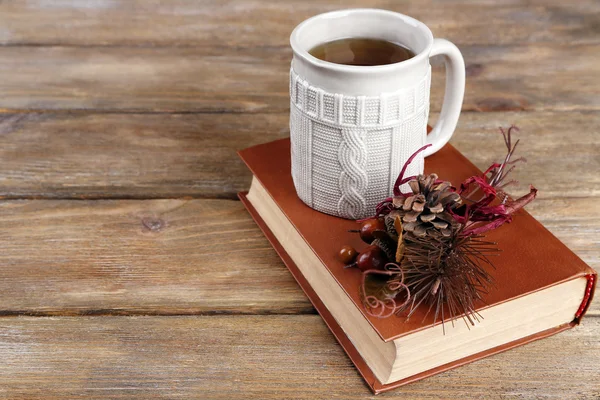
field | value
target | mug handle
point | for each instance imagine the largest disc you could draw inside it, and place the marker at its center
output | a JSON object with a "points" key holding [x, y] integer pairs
{"points": [[453, 97]]}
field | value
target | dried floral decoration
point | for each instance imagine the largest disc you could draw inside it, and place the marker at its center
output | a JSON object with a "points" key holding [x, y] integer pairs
{"points": [[427, 248]]}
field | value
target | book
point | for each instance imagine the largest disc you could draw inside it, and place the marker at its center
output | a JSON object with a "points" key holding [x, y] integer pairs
{"points": [[541, 287]]}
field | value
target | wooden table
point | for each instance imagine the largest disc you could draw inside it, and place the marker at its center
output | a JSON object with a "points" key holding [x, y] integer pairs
{"points": [[128, 267]]}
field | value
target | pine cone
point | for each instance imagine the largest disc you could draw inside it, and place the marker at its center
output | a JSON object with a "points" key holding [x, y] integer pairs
{"points": [[390, 226], [425, 209], [388, 247]]}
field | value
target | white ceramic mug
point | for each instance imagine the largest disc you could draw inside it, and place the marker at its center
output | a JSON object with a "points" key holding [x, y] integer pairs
{"points": [[353, 127]]}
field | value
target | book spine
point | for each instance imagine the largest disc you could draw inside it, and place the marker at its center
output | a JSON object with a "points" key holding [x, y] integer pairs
{"points": [[587, 297]]}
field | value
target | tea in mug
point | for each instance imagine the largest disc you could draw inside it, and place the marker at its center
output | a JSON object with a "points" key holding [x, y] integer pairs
{"points": [[362, 52]]}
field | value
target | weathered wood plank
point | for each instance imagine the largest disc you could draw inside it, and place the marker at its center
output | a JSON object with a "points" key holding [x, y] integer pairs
{"points": [[558, 147], [105, 155], [209, 23], [213, 79], [158, 256], [141, 156], [266, 357], [176, 256], [206, 256]]}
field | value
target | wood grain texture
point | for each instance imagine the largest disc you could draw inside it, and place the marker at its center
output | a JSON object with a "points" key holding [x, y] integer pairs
{"points": [[268, 23], [176, 257], [211, 79], [132, 156], [134, 99], [150, 257], [267, 357], [142, 156]]}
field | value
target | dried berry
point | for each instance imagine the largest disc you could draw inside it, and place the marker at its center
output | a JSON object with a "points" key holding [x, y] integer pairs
{"points": [[371, 258], [347, 254], [368, 227]]}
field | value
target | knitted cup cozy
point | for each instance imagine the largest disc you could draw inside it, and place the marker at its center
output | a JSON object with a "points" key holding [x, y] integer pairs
{"points": [[347, 151]]}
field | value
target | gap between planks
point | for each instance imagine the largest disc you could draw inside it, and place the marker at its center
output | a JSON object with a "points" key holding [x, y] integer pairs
{"points": [[224, 196], [156, 313], [116, 111], [125, 313]]}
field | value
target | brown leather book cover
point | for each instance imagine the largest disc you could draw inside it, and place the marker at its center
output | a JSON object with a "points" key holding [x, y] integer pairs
{"points": [[531, 258]]}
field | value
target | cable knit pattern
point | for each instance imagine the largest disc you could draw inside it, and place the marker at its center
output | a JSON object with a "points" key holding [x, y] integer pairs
{"points": [[352, 156], [348, 150]]}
